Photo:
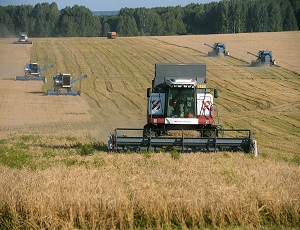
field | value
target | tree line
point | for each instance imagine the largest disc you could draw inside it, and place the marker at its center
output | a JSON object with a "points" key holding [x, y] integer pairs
{"points": [[226, 16]]}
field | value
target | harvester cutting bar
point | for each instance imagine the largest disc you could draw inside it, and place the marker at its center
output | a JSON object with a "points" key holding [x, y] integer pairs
{"points": [[74, 93], [23, 42], [118, 141], [31, 78]]}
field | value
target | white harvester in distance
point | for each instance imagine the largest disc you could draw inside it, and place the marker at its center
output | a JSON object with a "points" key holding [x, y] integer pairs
{"points": [[23, 39]]}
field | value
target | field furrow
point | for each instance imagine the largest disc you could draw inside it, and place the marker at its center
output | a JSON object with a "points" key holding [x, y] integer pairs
{"points": [[57, 174], [119, 72]]}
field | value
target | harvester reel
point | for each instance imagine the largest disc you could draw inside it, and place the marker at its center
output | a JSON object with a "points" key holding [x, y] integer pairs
{"points": [[119, 142]]}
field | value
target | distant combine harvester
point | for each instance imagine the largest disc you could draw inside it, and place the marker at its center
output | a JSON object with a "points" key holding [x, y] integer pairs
{"points": [[264, 58], [218, 49], [23, 39], [63, 84], [111, 35]]}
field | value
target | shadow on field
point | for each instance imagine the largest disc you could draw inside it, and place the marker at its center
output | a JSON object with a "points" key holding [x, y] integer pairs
{"points": [[83, 149], [8, 79], [38, 92]]}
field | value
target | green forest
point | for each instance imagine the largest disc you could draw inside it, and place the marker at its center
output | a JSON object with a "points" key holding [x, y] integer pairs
{"points": [[226, 16]]}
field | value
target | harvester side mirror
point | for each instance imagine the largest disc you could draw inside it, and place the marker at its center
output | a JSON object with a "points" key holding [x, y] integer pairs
{"points": [[148, 92], [215, 93]]}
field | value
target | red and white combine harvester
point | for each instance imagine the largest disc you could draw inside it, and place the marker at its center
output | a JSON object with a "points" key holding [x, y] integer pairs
{"points": [[111, 35], [182, 115]]}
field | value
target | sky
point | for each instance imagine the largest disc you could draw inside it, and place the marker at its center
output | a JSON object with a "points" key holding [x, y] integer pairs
{"points": [[107, 5]]}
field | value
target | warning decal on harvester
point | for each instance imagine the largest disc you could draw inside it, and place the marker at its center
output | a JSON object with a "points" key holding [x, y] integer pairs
{"points": [[206, 105], [156, 104]]}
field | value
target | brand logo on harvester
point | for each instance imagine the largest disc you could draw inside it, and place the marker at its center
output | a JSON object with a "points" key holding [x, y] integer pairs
{"points": [[182, 121], [179, 120], [156, 104]]}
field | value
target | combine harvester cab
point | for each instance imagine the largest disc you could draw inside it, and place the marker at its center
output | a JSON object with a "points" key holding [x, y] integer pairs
{"points": [[63, 85], [33, 73], [181, 115], [218, 50], [23, 39], [263, 58]]}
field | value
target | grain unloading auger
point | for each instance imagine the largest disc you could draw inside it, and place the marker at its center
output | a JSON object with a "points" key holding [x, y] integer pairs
{"points": [[33, 72], [63, 84], [181, 115]]}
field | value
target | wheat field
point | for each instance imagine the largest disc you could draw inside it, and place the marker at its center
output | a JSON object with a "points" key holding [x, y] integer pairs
{"points": [[56, 174], [147, 190]]}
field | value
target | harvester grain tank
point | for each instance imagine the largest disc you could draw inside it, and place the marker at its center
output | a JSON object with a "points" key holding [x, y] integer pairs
{"points": [[33, 72], [63, 84], [218, 49], [23, 39], [112, 35], [181, 114], [264, 58]]}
